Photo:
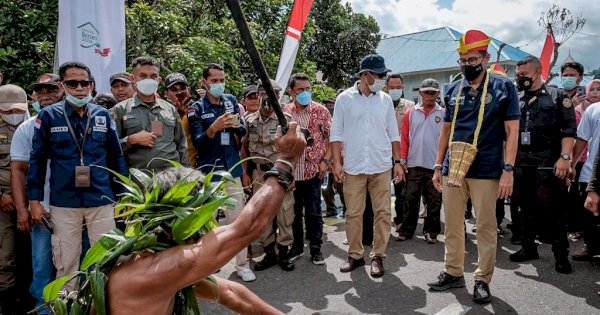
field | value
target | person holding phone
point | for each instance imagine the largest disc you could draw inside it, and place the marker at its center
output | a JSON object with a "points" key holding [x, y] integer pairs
{"points": [[149, 129], [216, 130], [179, 94]]}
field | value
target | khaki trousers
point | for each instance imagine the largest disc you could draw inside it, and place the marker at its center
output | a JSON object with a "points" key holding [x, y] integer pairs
{"points": [[66, 239], [282, 232], [8, 264], [236, 191], [355, 193], [483, 195]]}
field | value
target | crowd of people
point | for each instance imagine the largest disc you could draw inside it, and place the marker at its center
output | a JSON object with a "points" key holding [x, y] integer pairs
{"points": [[486, 140]]}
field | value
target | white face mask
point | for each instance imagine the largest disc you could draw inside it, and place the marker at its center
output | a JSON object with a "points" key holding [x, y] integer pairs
{"points": [[13, 119], [147, 86], [377, 86]]}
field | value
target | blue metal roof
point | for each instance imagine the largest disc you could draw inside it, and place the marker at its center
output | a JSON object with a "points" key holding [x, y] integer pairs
{"points": [[433, 49]]}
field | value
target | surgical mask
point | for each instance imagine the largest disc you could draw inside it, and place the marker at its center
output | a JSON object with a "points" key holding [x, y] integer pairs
{"points": [[13, 119], [471, 72], [524, 83], [217, 89], [395, 94], [569, 83], [36, 107], [78, 102], [304, 98], [147, 86], [377, 86]]}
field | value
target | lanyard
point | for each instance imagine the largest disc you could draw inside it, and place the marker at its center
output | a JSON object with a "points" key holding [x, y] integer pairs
{"points": [[87, 128], [528, 111]]}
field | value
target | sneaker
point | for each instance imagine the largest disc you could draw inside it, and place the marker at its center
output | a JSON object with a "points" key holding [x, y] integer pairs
{"points": [[317, 259], [481, 292], [524, 255], [445, 281], [247, 275], [295, 253]]}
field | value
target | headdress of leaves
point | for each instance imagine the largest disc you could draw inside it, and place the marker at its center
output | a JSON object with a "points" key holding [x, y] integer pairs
{"points": [[182, 213]]}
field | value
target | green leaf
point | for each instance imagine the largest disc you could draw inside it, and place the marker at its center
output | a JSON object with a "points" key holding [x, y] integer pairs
{"points": [[174, 163], [191, 304], [212, 279], [60, 307], [145, 241], [142, 177], [129, 184], [76, 309], [118, 250], [180, 190], [134, 229], [97, 251], [98, 283], [211, 224], [51, 290], [195, 221]]}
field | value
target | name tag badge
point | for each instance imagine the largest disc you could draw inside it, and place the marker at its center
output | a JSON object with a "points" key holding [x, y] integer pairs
{"points": [[525, 138], [82, 176], [157, 128], [225, 138]]}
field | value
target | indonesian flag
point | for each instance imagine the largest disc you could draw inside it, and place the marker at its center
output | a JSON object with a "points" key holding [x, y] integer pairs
{"points": [[291, 43], [547, 52]]}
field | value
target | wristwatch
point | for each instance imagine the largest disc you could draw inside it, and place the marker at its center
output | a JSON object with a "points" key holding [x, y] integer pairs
{"points": [[437, 167], [401, 161], [509, 167], [565, 156]]}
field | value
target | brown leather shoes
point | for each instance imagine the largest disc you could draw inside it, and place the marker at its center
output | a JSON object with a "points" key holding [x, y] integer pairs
{"points": [[352, 264], [377, 267]]}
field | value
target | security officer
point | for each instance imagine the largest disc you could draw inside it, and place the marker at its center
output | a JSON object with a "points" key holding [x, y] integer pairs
{"points": [[547, 133], [148, 127], [80, 140], [259, 143], [13, 106]]}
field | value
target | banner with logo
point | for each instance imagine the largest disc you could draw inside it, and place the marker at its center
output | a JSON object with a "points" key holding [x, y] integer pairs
{"points": [[291, 43], [93, 32]]}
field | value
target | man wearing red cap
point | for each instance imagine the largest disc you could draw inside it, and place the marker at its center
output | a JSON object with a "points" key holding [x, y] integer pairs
{"points": [[482, 106]]}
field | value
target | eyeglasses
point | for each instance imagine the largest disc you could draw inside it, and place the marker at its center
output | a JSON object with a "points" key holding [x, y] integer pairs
{"points": [[72, 84], [473, 61]]}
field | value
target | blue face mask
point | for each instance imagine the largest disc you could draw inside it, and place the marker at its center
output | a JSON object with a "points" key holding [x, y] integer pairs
{"points": [[395, 94], [78, 102], [569, 83], [36, 107], [217, 89], [304, 98]]}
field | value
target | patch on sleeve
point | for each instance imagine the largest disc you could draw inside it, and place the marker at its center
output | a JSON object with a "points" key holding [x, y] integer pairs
{"points": [[567, 103], [113, 125], [191, 112], [38, 123]]}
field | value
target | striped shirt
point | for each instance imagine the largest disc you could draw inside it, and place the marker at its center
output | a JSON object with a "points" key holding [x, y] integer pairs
{"points": [[317, 119]]}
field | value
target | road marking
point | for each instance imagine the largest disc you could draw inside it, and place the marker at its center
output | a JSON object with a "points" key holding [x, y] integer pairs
{"points": [[454, 309]]}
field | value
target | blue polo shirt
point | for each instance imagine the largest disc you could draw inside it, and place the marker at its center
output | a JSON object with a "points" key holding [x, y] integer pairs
{"points": [[52, 140], [222, 151], [502, 104]]}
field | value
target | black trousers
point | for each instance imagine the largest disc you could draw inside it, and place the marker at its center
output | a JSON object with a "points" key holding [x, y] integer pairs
{"points": [[307, 208], [589, 223], [419, 184], [540, 194]]}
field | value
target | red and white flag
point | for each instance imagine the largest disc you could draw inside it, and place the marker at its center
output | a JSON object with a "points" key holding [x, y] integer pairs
{"points": [[291, 43], [546, 56]]}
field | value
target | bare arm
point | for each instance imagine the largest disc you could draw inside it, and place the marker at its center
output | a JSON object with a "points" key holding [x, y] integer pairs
{"points": [[511, 128], [442, 147], [234, 296], [18, 174], [578, 149]]}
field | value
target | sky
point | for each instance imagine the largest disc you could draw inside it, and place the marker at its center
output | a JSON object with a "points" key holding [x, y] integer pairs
{"points": [[512, 21]]}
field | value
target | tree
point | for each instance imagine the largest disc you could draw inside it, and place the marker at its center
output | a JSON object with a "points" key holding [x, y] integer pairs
{"points": [[561, 25], [341, 39]]}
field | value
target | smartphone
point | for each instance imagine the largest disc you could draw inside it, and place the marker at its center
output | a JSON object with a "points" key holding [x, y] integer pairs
{"points": [[235, 119], [48, 224]]}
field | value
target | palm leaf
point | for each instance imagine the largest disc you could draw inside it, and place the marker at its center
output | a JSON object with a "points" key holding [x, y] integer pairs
{"points": [[51, 290], [192, 224], [98, 283]]}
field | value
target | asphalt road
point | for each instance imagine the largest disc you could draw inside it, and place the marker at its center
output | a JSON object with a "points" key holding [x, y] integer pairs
{"points": [[526, 288]]}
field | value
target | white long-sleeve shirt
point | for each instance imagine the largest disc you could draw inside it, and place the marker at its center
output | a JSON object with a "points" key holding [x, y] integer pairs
{"points": [[367, 126]]}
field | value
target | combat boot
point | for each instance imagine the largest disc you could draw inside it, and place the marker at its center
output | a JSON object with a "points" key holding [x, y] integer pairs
{"points": [[284, 258], [269, 260]]}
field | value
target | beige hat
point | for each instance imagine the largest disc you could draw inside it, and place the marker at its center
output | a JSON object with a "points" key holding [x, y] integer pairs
{"points": [[12, 96]]}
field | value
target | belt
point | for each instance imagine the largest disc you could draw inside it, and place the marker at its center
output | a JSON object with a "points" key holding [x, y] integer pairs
{"points": [[265, 167]]}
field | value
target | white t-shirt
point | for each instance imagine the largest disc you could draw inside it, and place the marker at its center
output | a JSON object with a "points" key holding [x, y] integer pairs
{"points": [[20, 150], [589, 130]]}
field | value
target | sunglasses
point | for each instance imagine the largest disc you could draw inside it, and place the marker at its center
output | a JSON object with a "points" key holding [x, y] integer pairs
{"points": [[72, 84]]}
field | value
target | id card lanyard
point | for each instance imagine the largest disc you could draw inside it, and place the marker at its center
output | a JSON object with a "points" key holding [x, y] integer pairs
{"points": [[87, 128], [526, 135]]}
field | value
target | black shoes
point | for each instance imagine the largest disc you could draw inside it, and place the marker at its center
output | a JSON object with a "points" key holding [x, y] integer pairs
{"points": [[445, 281], [284, 258], [524, 255], [562, 265], [481, 292], [269, 260], [295, 253], [317, 258]]}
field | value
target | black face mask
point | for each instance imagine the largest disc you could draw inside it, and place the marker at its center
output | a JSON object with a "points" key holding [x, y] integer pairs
{"points": [[471, 72], [524, 83]]}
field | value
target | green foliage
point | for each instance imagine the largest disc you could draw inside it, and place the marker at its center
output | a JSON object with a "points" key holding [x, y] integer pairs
{"points": [[185, 35], [151, 226]]}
